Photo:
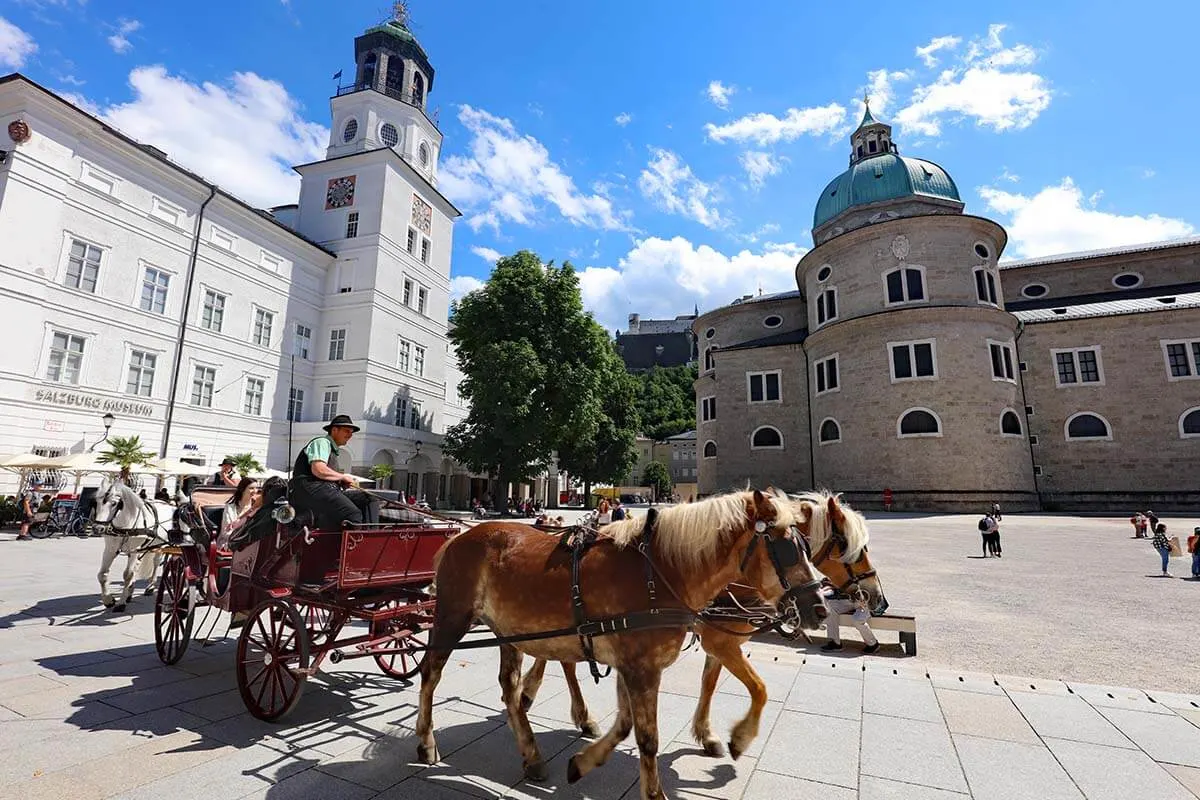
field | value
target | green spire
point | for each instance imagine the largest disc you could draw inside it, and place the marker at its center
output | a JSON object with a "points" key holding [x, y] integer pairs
{"points": [[867, 118]]}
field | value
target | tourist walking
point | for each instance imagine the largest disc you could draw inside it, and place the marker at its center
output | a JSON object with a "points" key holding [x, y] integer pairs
{"points": [[1162, 545]]}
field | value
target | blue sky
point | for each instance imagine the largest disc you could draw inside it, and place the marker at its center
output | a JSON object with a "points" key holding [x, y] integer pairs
{"points": [[671, 151]]}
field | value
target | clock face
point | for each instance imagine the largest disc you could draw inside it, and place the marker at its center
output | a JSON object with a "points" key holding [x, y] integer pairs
{"points": [[340, 192]]}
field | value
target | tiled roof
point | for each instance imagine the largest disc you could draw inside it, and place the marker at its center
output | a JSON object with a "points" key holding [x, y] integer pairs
{"points": [[682, 436], [762, 298], [1110, 251], [791, 337], [1110, 308]]}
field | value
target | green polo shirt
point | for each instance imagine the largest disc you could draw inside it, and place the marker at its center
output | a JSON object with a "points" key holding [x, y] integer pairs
{"points": [[320, 449]]}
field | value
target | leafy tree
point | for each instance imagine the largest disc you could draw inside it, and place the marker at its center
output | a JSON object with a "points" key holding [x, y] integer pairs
{"points": [[382, 473], [533, 364], [658, 478], [246, 464], [666, 401], [126, 452]]}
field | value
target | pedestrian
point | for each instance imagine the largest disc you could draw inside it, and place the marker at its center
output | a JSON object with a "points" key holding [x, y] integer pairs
{"points": [[1139, 521], [25, 504], [996, 511], [1194, 549], [1162, 545], [838, 604], [605, 513], [618, 510], [989, 531], [1153, 518]]}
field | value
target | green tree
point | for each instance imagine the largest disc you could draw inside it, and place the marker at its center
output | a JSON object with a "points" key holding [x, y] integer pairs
{"points": [[533, 364], [126, 452], [246, 464], [658, 478], [666, 401], [382, 473]]}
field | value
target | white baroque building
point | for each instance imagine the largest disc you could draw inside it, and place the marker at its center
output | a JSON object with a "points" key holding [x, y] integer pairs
{"points": [[131, 285]]}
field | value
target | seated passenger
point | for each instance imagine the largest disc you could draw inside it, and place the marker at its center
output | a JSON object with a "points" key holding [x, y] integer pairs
{"points": [[245, 501], [320, 487]]}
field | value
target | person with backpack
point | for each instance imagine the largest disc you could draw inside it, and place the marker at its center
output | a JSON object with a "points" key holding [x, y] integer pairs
{"points": [[989, 529], [1163, 546]]}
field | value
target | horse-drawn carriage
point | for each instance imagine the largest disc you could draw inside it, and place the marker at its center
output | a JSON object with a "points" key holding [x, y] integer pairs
{"points": [[294, 590]]}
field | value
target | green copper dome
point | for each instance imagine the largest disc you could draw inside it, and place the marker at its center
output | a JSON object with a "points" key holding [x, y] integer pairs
{"points": [[397, 29], [883, 177]]}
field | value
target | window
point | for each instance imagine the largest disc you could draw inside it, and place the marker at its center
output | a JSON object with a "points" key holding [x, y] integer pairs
{"points": [[401, 412], [1010, 423], [1086, 425], [141, 373], [412, 241], [337, 344], [1189, 423], [408, 287], [98, 179], [419, 360], [1183, 359], [408, 413], [255, 387], [424, 251], [202, 386], [1037, 470], [295, 411], [1073, 367], [83, 266], [389, 135], [302, 340], [905, 285], [66, 358], [1029, 411], [711, 332], [708, 409], [982, 251], [352, 225], [985, 286], [827, 306], [222, 239], [913, 360], [1033, 439], [763, 387], [164, 211], [422, 300], [404, 356], [329, 405], [263, 320], [919, 422], [830, 431], [414, 415], [709, 358], [710, 449], [350, 131], [423, 153], [270, 261], [1127, 280], [1035, 290], [212, 315], [827, 375], [773, 321], [824, 272], [766, 438], [154, 290], [1002, 361]]}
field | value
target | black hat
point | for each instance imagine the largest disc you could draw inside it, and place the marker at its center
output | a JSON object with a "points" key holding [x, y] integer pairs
{"points": [[342, 421], [229, 461]]}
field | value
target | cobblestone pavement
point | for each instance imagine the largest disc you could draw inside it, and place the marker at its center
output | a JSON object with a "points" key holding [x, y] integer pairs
{"points": [[87, 711]]}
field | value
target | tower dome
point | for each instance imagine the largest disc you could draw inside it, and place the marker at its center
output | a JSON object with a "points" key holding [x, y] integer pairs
{"points": [[879, 176]]}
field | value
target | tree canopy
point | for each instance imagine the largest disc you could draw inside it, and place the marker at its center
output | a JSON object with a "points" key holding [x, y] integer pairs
{"points": [[666, 401], [606, 453], [658, 477], [126, 452]]}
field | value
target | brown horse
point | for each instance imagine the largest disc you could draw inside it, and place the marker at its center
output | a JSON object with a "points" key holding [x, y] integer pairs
{"points": [[518, 581], [837, 536]]}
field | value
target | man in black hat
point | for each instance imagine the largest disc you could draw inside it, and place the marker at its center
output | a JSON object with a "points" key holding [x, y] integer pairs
{"points": [[225, 476], [317, 480]]}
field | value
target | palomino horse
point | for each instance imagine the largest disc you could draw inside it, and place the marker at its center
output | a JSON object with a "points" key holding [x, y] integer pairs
{"points": [[132, 523], [520, 583], [837, 537]]}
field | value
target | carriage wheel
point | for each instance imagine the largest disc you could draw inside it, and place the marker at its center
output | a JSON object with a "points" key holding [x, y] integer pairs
{"points": [[272, 660], [406, 663], [317, 621], [174, 612]]}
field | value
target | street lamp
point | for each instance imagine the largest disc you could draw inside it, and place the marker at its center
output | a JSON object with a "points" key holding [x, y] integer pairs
{"points": [[108, 420]]}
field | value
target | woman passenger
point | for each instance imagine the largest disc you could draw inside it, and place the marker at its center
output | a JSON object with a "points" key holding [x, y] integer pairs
{"points": [[237, 510]]}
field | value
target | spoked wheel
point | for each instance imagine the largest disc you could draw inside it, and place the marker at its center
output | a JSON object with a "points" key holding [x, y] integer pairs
{"points": [[174, 612], [406, 663], [272, 660], [317, 623]]}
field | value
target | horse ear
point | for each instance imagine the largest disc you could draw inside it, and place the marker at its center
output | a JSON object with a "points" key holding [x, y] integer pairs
{"points": [[835, 510], [762, 506]]}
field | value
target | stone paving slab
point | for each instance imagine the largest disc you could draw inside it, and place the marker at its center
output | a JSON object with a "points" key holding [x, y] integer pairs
{"points": [[999, 770], [1113, 773], [910, 751]]}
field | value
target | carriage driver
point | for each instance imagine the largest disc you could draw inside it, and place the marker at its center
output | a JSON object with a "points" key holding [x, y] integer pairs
{"points": [[319, 486]]}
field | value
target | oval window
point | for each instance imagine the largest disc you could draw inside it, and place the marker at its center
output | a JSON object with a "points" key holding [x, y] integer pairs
{"points": [[823, 273], [1127, 280], [773, 321], [982, 251], [389, 134], [1035, 290], [350, 131], [711, 332], [423, 154]]}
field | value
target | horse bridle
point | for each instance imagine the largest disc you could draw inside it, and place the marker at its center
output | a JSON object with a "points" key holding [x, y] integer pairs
{"points": [[127, 532], [850, 588], [784, 552]]}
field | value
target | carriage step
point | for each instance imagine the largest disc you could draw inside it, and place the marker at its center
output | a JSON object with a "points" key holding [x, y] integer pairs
{"points": [[279, 592]]}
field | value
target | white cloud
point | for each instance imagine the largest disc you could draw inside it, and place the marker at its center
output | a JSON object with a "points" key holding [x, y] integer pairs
{"points": [[880, 89], [1059, 220], [508, 177], [670, 184], [662, 278], [244, 136], [15, 45], [764, 129], [1148, 173], [487, 254], [463, 284], [119, 41], [985, 88], [759, 166], [925, 53], [719, 93], [623, 119], [1011, 177]]}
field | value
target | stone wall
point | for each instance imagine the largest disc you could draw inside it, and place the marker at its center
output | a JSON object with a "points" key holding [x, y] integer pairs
{"points": [[1163, 267]]}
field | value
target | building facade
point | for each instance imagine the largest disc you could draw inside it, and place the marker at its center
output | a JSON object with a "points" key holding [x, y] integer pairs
{"points": [[910, 360], [650, 343], [207, 326]]}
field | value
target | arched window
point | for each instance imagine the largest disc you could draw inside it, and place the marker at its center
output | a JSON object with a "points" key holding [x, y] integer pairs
{"points": [[395, 78], [1010, 423], [766, 438], [710, 449], [368, 72], [1189, 423], [919, 422], [905, 285], [709, 361], [830, 431], [418, 90], [423, 154], [1087, 425]]}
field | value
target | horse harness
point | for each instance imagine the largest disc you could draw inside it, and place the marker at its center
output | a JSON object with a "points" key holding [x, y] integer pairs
{"points": [[125, 533], [850, 589]]}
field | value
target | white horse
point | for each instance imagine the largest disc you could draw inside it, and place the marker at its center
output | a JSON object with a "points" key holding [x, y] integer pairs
{"points": [[133, 522]]}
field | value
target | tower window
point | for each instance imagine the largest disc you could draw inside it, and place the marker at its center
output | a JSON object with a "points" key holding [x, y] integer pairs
{"points": [[766, 438], [1086, 425], [913, 360], [905, 285], [1010, 424], [389, 134], [423, 154], [872, 146], [368, 73], [919, 422], [827, 306], [830, 431], [985, 286], [350, 131], [352, 225]]}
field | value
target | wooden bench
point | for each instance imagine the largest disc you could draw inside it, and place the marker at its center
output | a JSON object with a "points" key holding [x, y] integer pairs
{"points": [[905, 626]]}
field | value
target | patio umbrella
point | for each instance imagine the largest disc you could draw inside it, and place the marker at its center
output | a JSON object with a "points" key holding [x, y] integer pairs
{"points": [[169, 466], [267, 473], [23, 462], [80, 464]]}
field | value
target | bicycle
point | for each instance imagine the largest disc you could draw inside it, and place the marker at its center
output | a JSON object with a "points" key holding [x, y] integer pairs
{"points": [[60, 521]]}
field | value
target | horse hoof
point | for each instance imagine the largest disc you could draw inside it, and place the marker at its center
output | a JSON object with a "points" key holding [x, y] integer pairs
{"points": [[118, 608], [108, 603], [149, 590], [526, 702], [573, 773], [714, 749], [590, 730], [735, 752], [536, 772], [427, 755]]}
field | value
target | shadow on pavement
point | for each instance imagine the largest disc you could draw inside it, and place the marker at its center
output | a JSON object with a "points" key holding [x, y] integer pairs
{"points": [[80, 609]]}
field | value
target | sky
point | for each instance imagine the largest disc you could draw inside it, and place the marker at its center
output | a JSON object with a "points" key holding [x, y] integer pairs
{"points": [[672, 152]]}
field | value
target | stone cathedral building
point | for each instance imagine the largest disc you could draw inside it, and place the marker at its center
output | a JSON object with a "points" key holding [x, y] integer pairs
{"points": [[908, 359]]}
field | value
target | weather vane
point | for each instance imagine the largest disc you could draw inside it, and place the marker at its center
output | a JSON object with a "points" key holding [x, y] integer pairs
{"points": [[400, 12]]}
